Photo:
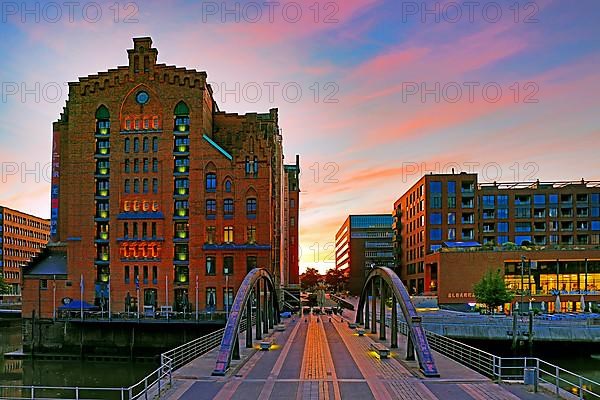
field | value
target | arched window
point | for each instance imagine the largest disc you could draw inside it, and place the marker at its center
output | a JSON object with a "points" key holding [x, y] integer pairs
{"points": [[136, 186], [127, 165], [102, 120], [146, 145], [155, 165], [154, 185], [136, 145], [127, 145], [182, 117], [127, 186], [228, 186], [155, 144], [145, 185]]}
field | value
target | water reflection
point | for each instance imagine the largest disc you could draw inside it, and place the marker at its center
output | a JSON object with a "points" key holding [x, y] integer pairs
{"points": [[63, 372]]}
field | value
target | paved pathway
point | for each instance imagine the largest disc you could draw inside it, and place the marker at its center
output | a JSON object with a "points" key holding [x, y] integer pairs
{"points": [[322, 358]]}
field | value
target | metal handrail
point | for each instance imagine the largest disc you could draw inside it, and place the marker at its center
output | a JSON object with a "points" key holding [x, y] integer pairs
{"points": [[148, 387], [512, 369]]}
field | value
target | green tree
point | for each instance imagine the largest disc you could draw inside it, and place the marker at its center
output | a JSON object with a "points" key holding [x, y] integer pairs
{"points": [[336, 279], [4, 287], [310, 278], [492, 291]]}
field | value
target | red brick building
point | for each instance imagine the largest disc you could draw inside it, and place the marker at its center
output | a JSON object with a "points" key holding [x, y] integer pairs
{"points": [[22, 236], [448, 226], [156, 190], [546, 272]]}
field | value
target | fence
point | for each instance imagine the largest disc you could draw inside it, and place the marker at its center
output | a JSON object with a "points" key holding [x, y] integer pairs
{"points": [[513, 369], [149, 387]]}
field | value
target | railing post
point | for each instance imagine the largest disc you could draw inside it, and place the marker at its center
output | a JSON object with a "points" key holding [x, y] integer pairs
{"points": [[77, 393], [499, 369], [122, 393], [32, 393], [146, 388], [557, 379], [159, 379], [580, 388]]}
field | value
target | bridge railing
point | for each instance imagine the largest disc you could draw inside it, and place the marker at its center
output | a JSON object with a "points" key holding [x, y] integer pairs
{"points": [[149, 387], [553, 378]]}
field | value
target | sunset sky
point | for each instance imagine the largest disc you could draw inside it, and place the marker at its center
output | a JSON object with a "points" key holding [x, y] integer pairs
{"points": [[389, 91]]}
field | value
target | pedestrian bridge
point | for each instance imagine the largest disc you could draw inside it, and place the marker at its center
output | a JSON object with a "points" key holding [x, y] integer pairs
{"points": [[318, 356]]}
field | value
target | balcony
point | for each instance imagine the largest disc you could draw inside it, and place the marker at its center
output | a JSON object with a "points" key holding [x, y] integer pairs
{"points": [[182, 235], [467, 203], [181, 213], [182, 275], [182, 149], [467, 189], [102, 132], [181, 191], [583, 226], [102, 258], [566, 226], [467, 220], [566, 212], [582, 212], [582, 198], [539, 226], [181, 256], [181, 170], [539, 213], [101, 215], [566, 199], [102, 172], [522, 200], [102, 193]]}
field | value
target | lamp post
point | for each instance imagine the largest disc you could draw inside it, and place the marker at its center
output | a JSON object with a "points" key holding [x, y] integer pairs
{"points": [[522, 277], [227, 296]]}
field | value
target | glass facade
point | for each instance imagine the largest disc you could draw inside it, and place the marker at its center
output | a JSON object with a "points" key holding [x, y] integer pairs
{"points": [[551, 277], [371, 221]]}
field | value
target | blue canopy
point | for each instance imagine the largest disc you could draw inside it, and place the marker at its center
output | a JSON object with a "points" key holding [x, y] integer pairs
{"points": [[460, 244], [76, 305]]}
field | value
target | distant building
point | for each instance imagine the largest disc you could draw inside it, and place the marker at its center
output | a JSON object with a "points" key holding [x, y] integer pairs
{"points": [[446, 214], [22, 236], [363, 242], [157, 191]]}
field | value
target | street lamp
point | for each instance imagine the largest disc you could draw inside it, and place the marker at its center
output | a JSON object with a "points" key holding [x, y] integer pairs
{"points": [[522, 287]]}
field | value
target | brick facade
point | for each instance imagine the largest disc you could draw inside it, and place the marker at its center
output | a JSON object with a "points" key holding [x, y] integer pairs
{"points": [[22, 236], [154, 187]]}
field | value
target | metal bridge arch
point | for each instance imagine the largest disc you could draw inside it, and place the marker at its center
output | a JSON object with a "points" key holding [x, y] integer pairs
{"points": [[417, 341], [267, 315]]}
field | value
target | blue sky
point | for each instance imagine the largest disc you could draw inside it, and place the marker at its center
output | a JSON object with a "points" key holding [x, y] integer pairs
{"points": [[359, 121]]}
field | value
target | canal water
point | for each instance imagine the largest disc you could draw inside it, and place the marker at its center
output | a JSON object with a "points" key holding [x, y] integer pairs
{"points": [[63, 373], [580, 359]]}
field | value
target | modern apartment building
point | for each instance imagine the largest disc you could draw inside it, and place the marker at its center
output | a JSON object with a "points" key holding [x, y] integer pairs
{"points": [[437, 208], [456, 212], [22, 236], [158, 196], [362, 242]]}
